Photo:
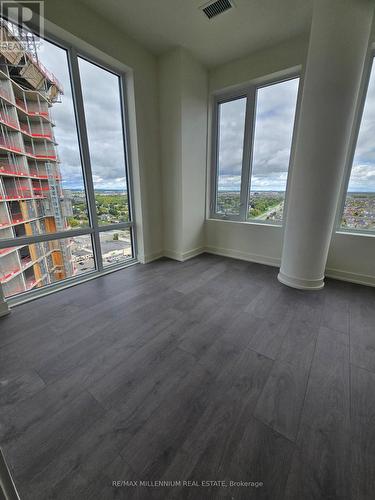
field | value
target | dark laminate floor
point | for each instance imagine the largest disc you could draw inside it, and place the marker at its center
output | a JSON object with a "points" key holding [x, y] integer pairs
{"points": [[203, 370]]}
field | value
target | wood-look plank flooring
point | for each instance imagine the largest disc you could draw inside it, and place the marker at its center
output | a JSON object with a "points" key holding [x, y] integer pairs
{"points": [[208, 370]]}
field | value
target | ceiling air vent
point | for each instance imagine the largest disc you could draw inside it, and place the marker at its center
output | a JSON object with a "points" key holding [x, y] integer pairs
{"points": [[215, 8]]}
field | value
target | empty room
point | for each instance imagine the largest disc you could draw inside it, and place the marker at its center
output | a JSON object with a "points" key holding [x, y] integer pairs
{"points": [[187, 249]]}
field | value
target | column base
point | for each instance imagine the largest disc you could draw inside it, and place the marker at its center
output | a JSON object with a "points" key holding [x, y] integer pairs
{"points": [[300, 284]]}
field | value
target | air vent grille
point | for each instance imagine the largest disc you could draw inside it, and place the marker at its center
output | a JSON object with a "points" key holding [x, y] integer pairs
{"points": [[216, 8]]}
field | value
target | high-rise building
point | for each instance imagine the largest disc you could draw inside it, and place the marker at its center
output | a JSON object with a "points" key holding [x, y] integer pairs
{"points": [[31, 195]]}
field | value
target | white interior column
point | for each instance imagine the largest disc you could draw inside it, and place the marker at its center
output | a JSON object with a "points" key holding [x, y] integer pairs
{"points": [[335, 61], [4, 308]]}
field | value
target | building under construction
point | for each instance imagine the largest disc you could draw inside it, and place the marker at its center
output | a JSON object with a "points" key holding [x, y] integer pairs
{"points": [[31, 196]]}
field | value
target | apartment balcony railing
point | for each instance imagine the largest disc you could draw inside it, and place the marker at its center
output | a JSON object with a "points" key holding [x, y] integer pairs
{"points": [[12, 170], [31, 110], [20, 104], [25, 262], [17, 194], [30, 283], [36, 174], [21, 193], [5, 94], [7, 120], [48, 154], [7, 251], [9, 145], [38, 190], [5, 277], [17, 218], [37, 132]]}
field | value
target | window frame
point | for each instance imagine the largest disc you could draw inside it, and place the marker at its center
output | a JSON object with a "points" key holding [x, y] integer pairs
{"points": [[73, 53], [353, 142], [250, 92]]}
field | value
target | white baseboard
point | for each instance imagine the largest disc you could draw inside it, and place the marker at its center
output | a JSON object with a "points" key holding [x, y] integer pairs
{"points": [[360, 279], [145, 259], [237, 254], [182, 256], [301, 284]]}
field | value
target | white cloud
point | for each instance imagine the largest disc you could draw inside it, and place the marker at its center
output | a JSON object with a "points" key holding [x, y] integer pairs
{"points": [[274, 126], [363, 171], [102, 112]]}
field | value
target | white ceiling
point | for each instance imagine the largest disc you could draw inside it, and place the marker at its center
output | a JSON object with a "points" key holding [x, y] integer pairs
{"points": [[160, 25]]}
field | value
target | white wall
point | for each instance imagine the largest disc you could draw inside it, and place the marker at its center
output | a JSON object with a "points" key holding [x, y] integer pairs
{"points": [[174, 192], [351, 257], [142, 90], [171, 148], [254, 242], [194, 152], [183, 129]]}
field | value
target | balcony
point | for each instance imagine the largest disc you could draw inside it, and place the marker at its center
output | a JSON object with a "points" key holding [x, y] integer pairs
{"points": [[5, 94], [37, 132], [5, 277], [10, 146], [39, 190], [32, 110], [12, 171], [30, 283], [48, 154], [20, 193], [17, 218], [7, 120]]}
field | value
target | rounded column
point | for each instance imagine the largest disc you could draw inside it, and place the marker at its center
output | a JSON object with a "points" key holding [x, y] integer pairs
{"points": [[338, 44]]}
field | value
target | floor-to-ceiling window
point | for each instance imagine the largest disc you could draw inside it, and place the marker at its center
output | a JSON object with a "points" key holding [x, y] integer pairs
{"points": [[358, 212], [65, 198]]}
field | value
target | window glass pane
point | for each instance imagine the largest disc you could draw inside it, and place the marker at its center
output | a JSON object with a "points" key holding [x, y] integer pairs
{"points": [[274, 121], [41, 179], [359, 210], [102, 103], [231, 116], [116, 246], [27, 267]]}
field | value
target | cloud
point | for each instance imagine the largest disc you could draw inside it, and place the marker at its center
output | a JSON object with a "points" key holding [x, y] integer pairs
{"points": [[275, 111], [103, 119], [362, 176], [272, 140]]}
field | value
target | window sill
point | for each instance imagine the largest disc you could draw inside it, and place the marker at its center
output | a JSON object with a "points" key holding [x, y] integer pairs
{"points": [[351, 232], [245, 222]]}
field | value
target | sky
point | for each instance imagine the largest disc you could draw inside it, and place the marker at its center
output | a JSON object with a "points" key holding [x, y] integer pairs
{"points": [[362, 177], [275, 112], [103, 119], [274, 119]]}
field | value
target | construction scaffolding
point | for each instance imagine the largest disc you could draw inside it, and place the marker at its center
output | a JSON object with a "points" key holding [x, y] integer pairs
{"points": [[31, 195]]}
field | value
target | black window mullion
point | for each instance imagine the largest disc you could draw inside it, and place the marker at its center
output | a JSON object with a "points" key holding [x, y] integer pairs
{"points": [[85, 153]]}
